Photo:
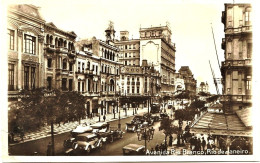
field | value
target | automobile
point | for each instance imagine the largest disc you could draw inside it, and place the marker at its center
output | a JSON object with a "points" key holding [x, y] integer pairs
{"points": [[115, 133], [100, 127], [132, 126], [87, 142], [68, 146], [102, 130], [82, 128], [151, 118], [163, 115], [134, 149]]}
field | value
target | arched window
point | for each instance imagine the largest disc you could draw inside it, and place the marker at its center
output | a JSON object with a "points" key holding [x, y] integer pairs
{"points": [[56, 42], [51, 40], [65, 44], [64, 64], [113, 56], [110, 56], [47, 39], [111, 83]]}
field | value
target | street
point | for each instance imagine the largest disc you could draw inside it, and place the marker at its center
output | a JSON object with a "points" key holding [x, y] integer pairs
{"points": [[114, 148]]}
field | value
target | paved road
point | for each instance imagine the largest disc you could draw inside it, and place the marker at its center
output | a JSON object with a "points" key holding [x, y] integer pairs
{"points": [[115, 148]]}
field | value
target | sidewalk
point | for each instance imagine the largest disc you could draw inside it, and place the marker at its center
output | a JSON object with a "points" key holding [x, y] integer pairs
{"points": [[67, 127]]}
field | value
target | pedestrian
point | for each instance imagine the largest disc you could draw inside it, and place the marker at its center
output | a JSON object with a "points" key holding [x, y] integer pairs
{"points": [[22, 134], [191, 142], [152, 151], [104, 118], [199, 144], [170, 140], [203, 144], [157, 148], [49, 149]]}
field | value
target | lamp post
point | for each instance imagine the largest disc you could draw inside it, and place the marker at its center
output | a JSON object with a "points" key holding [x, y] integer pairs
{"points": [[145, 134]]}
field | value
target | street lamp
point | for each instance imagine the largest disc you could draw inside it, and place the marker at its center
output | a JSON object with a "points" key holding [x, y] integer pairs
{"points": [[145, 134]]}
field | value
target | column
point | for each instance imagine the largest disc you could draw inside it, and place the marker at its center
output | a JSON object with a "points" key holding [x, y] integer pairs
{"points": [[19, 49]]}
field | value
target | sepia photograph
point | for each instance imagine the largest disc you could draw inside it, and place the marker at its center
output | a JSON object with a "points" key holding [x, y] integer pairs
{"points": [[134, 80]]}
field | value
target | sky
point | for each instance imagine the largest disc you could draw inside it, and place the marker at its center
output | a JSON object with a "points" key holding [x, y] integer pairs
{"points": [[190, 22]]}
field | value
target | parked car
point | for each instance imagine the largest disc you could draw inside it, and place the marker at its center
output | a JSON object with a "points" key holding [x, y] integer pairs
{"points": [[82, 128], [87, 142], [132, 127], [134, 149], [102, 130]]}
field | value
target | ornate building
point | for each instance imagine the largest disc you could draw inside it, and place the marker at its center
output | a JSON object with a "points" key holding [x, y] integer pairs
{"points": [[203, 87], [237, 67], [156, 47], [25, 38], [59, 58], [189, 81]]}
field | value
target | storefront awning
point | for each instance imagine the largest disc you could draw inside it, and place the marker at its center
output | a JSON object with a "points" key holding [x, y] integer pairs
{"points": [[220, 124]]}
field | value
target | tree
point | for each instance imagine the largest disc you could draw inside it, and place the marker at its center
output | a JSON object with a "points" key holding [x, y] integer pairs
{"points": [[197, 104], [203, 94], [168, 127]]}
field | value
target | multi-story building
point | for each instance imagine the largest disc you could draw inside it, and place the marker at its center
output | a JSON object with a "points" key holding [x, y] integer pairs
{"points": [[237, 67], [25, 30], [203, 87], [140, 84], [101, 78], [179, 83], [189, 81], [59, 58], [129, 50], [156, 47]]}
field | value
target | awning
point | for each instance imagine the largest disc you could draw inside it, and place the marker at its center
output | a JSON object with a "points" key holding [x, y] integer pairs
{"points": [[220, 124]]}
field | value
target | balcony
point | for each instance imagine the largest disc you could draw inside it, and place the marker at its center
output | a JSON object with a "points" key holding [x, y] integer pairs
{"points": [[88, 72], [71, 53], [223, 44], [50, 48], [91, 94], [237, 98], [237, 63], [62, 49], [133, 94]]}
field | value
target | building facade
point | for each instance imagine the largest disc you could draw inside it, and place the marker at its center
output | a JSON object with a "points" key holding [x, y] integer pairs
{"points": [[237, 67], [25, 31], [189, 81], [203, 87], [156, 47]]}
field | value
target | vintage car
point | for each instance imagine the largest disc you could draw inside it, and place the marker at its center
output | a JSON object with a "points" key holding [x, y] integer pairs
{"points": [[82, 128], [100, 127], [163, 115], [115, 133], [87, 142], [150, 118], [134, 149]]}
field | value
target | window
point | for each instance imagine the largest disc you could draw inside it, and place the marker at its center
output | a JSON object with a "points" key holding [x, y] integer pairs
{"points": [[133, 89], [78, 86], [64, 64], [125, 55], [49, 62], [240, 49], [125, 46], [49, 79], [83, 67], [93, 67], [33, 76], [70, 84], [10, 77], [128, 89], [71, 66], [125, 62], [64, 84], [26, 77], [78, 66], [10, 39], [83, 86], [88, 84], [96, 69], [229, 23], [134, 46], [30, 44], [138, 91], [248, 85], [249, 50]]}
